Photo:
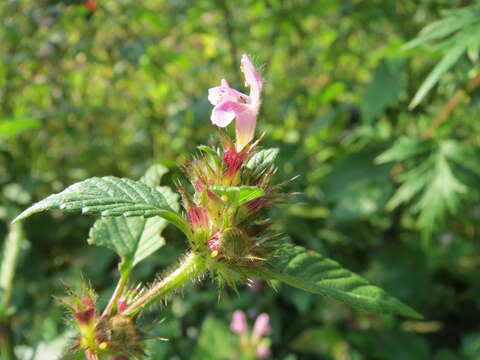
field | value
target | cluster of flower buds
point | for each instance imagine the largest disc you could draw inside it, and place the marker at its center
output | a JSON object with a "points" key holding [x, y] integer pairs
{"points": [[256, 341], [231, 185], [103, 335]]}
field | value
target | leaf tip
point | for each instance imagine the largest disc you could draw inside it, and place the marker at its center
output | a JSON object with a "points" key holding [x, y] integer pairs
{"points": [[24, 214]]}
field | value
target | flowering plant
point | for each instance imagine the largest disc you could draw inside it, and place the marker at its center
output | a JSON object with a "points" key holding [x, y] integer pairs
{"points": [[223, 219]]}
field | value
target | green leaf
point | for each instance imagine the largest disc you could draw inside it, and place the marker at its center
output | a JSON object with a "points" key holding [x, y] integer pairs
{"points": [[110, 196], [413, 181], [433, 184], [441, 195], [449, 59], [134, 238], [404, 148], [154, 175], [262, 160], [216, 341], [238, 195], [386, 87], [12, 127], [357, 187], [310, 271], [457, 33]]}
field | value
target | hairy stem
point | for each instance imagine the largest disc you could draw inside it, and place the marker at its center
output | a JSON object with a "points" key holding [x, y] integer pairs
{"points": [[122, 282], [190, 267]]}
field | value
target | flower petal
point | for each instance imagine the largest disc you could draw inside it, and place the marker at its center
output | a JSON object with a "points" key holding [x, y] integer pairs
{"points": [[261, 326], [239, 322], [245, 128], [252, 78], [225, 112], [225, 93]]}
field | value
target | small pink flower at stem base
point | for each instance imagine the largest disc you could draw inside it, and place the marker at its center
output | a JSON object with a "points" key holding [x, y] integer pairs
{"points": [[261, 327], [230, 104], [239, 322]]}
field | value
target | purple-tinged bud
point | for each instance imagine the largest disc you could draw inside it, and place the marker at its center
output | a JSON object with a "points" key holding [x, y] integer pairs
{"points": [[239, 322], [85, 317], [122, 305], [198, 217], [261, 327], [87, 301], [233, 159], [199, 186], [263, 351]]}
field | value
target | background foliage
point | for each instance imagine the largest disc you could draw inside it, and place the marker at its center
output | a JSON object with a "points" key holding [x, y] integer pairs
{"points": [[109, 87]]}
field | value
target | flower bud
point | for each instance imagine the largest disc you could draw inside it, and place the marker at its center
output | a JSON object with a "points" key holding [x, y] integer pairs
{"points": [[261, 327], [122, 305], [119, 335], [198, 217], [239, 322], [234, 160], [234, 243]]}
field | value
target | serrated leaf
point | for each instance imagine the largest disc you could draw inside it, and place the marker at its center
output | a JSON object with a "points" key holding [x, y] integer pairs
{"points": [[134, 238], [448, 60], [238, 195], [441, 195], [455, 34], [404, 148], [110, 196], [310, 271], [433, 184], [413, 181], [262, 159]]}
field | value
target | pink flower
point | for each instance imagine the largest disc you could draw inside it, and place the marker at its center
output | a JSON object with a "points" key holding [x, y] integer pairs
{"points": [[261, 327], [239, 322], [230, 104]]}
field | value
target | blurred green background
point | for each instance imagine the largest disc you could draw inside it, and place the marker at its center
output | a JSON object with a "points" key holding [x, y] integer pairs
{"points": [[108, 87]]}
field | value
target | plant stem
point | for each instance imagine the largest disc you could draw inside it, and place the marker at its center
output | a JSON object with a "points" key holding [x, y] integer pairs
{"points": [[459, 95], [9, 262], [190, 267], [6, 343], [122, 282]]}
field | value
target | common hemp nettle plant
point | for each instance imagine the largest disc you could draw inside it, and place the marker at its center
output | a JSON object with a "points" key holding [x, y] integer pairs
{"points": [[222, 216]]}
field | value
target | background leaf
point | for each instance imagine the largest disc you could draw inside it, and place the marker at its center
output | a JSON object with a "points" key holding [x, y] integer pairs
{"points": [[12, 127], [385, 89]]}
